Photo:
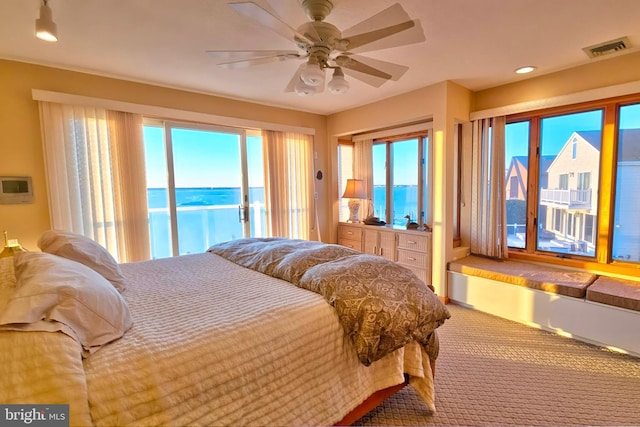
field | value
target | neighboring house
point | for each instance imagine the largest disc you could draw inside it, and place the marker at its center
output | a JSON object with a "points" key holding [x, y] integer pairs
{"points": [[516, 180], [516, 196], [626, 244], [518, 174], [571, 194]]}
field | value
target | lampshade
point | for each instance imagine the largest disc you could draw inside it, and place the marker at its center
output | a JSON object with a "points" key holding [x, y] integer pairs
{"points": [[354, 189], [312, 74], [46, 29], [304, 89], [338, 84]]}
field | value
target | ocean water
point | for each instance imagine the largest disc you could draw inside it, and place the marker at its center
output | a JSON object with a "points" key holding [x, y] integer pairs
{"points": [[206, 216]]}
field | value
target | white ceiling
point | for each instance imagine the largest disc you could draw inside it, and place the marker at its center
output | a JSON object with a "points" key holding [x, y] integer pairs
{"points": [[475, 43]]}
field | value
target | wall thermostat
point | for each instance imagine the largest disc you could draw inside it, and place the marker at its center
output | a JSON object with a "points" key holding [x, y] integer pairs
{"points": [[16, 190]]}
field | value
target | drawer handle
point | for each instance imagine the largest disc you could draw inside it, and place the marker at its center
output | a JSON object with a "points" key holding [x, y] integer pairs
{"points": [[411, 258], [349, 232], [411, 242]]}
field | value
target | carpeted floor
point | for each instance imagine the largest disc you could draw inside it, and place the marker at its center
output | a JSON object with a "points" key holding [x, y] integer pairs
{"points": [[494, 372]]}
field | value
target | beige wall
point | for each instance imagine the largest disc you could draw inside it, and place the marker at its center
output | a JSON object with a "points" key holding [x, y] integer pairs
{"points": [[21, 146]]}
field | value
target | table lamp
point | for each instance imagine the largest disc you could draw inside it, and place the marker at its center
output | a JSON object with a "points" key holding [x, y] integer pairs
{"points": [[354, 192]]}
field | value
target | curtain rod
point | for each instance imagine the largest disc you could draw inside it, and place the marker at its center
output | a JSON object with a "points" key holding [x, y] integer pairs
{"points": [[165, 112]]}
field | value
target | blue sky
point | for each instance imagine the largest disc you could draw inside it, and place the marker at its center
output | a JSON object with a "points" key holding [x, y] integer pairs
{"points": [[201, 159]]}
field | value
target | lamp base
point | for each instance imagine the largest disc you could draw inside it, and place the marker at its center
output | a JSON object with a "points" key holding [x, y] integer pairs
{"points": [[354, 207]]}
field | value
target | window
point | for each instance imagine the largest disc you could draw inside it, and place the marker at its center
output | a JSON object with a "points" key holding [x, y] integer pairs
{"points": [[205, 185], [400, 179], [517, 167], [626, 230], [380, 181], [404, 181], [577, 171]]}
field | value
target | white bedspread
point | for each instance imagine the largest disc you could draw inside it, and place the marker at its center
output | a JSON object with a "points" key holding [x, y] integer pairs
{"points": [[213, 344]]}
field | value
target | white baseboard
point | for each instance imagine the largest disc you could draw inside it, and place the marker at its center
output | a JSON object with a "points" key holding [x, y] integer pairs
{"points": [[608, 326]]}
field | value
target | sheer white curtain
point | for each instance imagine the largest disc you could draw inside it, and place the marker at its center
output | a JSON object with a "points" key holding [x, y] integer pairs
{"points": [[94, 161], [488, 207], [288, 169], [363, 169]]}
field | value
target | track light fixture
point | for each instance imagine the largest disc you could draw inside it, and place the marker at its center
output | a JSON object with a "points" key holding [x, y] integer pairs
{"points": [[46, 29]]}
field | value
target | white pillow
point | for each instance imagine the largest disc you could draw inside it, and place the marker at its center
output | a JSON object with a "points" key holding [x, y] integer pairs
{"points": [[85, 251], [57, 294]]}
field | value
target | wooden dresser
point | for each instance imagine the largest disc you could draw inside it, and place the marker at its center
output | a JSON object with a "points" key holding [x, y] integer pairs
{"points": [[410, 248]]}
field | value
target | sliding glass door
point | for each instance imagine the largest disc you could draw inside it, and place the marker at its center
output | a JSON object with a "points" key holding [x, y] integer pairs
{"points": [[200, 190]]}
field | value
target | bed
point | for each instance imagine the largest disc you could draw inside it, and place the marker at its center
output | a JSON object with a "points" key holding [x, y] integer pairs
{"points": [[217, 338]]}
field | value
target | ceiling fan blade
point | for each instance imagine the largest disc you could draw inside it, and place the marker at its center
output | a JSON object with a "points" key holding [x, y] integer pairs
{"points": [[390, 28], [359, 40], [351, 63], [395, 71], [251, 54], [246, 54], [244, 63], [294, 80], [269, 20], [366, 78]]}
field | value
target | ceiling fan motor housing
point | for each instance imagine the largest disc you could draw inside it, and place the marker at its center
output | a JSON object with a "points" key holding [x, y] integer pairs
{"points": [[328, 34], [317, 10]]}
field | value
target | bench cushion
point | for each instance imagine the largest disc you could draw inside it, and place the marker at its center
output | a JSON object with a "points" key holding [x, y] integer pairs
{"points": [[535, 276], [617, 292]]}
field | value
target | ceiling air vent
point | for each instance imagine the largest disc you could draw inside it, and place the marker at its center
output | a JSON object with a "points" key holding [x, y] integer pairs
{"points": [[612, 46]]}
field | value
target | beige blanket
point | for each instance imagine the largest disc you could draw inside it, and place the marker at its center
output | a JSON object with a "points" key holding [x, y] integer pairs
{"points": [[381, 305]]}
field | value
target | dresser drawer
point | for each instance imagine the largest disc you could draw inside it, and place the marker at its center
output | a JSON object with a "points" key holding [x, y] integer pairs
{"points": [[420, 272], [350, 233], [413, 242], [412, 258], [353, 244]]}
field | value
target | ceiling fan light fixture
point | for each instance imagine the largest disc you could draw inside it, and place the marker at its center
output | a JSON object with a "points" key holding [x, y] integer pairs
{"points": [[46, 29], [303, 89], [338, 84], [312, 74]]}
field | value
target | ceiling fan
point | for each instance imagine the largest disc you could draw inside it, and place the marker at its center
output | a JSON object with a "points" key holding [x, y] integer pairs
{"points": [[323, 46]]}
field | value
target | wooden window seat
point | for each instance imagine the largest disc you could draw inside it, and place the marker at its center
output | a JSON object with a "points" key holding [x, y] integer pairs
{"points": [[582, 305]]}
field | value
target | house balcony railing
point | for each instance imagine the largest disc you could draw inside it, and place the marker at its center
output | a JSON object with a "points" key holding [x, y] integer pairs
{"points": [[569, 199]]}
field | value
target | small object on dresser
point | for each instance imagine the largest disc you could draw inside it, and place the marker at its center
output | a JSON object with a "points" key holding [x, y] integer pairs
{"points": [[411, 225], [373, 220]]}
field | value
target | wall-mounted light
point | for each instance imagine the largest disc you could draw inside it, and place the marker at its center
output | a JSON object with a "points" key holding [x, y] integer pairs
{"points": [[46, 29]]}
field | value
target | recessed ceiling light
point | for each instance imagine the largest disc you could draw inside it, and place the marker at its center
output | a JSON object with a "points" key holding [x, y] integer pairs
{"points": [[524, 70]]}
